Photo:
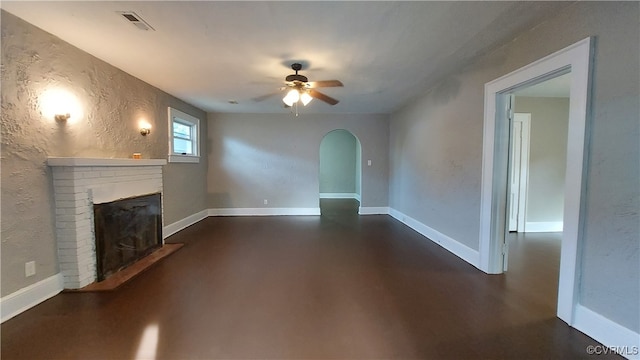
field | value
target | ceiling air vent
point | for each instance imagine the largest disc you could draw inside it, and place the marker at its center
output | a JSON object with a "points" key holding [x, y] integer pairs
{"points": [[136, 20]]}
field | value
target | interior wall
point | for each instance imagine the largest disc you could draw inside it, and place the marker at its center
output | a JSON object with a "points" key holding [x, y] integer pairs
{"points": [[338, 160], [253, 157], [547, 156], [436, 149], [112, 102]]}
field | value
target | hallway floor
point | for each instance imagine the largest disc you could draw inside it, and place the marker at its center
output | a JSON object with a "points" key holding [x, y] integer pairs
{"points": [[307, 287]]}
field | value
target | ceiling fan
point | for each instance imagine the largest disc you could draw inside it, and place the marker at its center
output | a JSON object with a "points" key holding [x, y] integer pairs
{"points": [[302, 90]]}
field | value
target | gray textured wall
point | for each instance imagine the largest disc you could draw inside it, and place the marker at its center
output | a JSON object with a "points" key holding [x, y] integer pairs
{"points": [[436, 149], [253, 157], [338, 162], [547, 156], [112, 102]]}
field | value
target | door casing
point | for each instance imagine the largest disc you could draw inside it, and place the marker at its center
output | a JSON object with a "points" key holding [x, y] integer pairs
{"points": [[577, 59], [519, 168]]}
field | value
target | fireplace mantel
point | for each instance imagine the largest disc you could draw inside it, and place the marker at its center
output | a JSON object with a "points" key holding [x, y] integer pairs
{"points": [[78, 161]]}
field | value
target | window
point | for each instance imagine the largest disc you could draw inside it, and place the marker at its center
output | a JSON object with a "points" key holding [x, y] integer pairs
{"points": [[184, 131]]}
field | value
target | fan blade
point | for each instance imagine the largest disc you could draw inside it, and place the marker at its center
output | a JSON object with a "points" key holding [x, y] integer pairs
{"points": [[320, 96], [324, 83]]}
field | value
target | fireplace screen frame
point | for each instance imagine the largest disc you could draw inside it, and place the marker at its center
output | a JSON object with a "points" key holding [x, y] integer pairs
{"points": [[117, 234]]}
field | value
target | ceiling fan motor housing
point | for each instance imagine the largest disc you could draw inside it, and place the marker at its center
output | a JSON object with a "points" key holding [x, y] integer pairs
{"points": [[296, 77]]}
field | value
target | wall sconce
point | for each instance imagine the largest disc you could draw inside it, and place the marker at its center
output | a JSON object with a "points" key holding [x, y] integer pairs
{"points": [[145, 128], [61, 105]]}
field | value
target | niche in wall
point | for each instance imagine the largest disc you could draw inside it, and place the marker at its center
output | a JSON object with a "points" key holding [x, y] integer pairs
{"points": [[340, 166]]}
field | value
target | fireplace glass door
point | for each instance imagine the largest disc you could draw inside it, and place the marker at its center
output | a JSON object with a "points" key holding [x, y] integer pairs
{"points": [[126, 230]]}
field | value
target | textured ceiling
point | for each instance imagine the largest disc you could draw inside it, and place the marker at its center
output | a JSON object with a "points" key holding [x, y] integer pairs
{"points": [[208, 53]]}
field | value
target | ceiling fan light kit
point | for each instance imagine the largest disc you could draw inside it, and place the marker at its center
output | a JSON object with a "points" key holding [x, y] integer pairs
{"points": [[295, 95]]}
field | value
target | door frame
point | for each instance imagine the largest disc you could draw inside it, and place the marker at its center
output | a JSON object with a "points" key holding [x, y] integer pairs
{"points": [[523, 173], [577, 59]]}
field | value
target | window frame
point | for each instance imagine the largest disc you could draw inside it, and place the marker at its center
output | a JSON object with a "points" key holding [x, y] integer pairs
{"points": [[193, 122]]}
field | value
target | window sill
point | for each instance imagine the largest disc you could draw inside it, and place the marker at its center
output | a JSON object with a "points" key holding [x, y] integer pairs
{"points": [[183, 159]]}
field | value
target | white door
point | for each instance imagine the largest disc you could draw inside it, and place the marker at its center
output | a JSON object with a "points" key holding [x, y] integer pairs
{"points": [[519, 171]]}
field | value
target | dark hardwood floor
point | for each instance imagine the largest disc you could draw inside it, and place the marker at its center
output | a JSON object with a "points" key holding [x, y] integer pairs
{"points": [[308, 287]]}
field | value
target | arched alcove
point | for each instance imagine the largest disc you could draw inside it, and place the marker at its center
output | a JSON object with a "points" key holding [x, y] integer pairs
{"points": [[340, 170]]}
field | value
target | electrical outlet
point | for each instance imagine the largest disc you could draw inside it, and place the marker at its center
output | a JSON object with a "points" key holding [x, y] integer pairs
{"points": [[368, 162], [29, 268], [266, 201]]}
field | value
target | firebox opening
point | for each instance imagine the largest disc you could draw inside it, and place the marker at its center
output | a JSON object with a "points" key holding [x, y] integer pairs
{"points": [[126, 230]]}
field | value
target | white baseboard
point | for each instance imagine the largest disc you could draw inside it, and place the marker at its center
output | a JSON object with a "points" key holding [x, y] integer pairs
{"points": [[30, 296], [263, 211], [543, 226], [613, 336], [370, 210], [184, 223], [460, 250], [340, 196]]}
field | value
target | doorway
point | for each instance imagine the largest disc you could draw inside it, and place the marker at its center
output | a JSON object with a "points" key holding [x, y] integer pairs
{"points": [[538, 150], [340, 173], [576, 59]]}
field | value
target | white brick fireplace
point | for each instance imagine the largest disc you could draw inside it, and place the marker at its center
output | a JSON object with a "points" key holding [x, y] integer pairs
{"points": [[78, 184]]}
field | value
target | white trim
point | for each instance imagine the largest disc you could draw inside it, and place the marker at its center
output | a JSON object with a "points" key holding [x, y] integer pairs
{"points": [[263, 211], [184, 223], [374, 210], [30, 296], [543, 226], [340, 196], [607, 332], [194, 123], [458, 249], [524, 174], [525, 120], [183, 159], [577, 58]]}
